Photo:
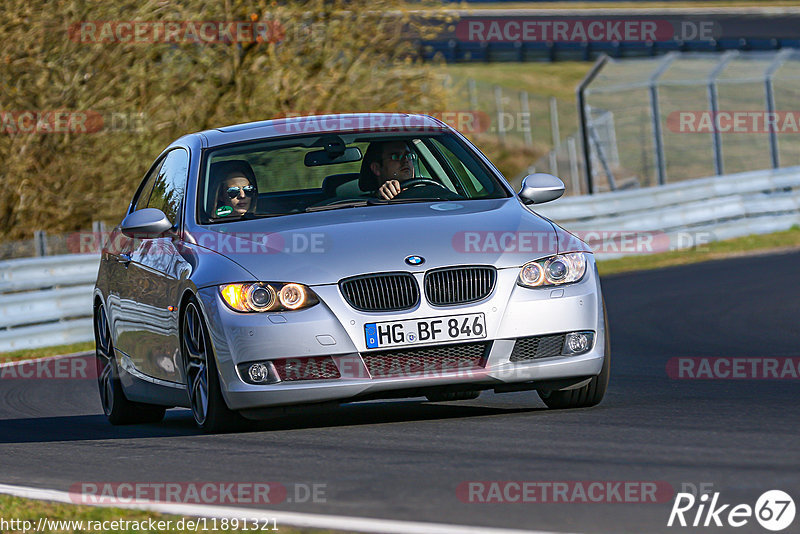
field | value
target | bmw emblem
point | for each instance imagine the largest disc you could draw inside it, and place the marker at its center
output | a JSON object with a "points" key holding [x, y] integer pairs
{"points": [[415, 260]]}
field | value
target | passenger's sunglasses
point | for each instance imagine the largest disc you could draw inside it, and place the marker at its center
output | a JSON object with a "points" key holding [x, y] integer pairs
{"points": [[410, 156], [233, 192]]}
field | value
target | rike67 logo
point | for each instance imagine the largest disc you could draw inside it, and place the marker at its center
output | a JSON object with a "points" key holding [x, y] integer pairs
{"points": [[774, 510]]}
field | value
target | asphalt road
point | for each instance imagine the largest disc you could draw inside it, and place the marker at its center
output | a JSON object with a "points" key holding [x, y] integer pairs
{"points": [[405, 459]]}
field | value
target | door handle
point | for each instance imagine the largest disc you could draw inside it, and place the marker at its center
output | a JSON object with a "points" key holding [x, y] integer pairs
{"points": [[124, 258]]}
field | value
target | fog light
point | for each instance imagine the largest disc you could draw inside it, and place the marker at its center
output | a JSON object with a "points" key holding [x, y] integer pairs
{"points": [[258, 373], [578, 342]]}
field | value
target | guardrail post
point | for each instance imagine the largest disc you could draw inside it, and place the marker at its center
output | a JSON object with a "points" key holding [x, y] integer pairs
{"points": [[40, 242], [99, 233]]}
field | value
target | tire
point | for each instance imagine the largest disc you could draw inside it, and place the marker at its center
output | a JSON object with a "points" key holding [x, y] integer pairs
{"points": [[592, 393], [116, 406], [209, 409]]}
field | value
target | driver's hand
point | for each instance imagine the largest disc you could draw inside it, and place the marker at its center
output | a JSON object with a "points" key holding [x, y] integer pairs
{"points": [[389, 189]]}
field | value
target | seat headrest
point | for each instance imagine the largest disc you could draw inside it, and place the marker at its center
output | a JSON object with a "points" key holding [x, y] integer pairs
{"points": [[331, 183]]}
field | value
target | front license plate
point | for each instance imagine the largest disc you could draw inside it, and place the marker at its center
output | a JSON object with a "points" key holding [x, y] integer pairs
{"points": [[429, 330]]}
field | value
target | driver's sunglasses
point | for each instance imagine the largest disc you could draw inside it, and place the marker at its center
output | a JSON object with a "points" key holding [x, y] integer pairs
{"points": [[410, 156], [233, 192]]}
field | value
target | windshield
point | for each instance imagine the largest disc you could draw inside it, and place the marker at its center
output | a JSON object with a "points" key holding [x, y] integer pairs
{"points": [[326, 172]]}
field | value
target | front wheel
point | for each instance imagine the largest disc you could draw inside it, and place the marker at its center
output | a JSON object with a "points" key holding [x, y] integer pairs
{"points": [[202, 378], [117, 408], [592, 393]]}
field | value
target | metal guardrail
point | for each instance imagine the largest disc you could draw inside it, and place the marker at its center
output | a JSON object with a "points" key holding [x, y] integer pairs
{"points": [[722, 207], [46, 301]]}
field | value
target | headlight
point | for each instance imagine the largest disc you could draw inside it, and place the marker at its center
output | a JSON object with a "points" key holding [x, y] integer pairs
{"points": [[553, 271], [262, 297]]}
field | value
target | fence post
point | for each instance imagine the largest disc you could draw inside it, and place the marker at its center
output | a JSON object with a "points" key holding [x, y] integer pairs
{"points": [[583, 124], [770, 101], [655, 117], [572, 149], [553, 161], [601, 155], [554, 130], [40, 242], [498, 101], [526, 112], [716, 138], [472, 90]]}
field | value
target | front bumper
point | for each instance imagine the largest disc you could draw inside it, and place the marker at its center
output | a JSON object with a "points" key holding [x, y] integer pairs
{"points": [[333, 328]]}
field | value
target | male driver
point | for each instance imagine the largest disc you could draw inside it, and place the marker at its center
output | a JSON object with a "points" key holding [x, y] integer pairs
{"points": [[391, 163]]}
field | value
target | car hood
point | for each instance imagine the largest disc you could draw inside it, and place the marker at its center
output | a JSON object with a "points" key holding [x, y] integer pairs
{"points": [[324, 247]]}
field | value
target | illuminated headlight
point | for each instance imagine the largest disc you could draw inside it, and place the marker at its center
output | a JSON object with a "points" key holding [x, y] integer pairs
{"points": [[552, 271], [262, 297], [293, 296]]}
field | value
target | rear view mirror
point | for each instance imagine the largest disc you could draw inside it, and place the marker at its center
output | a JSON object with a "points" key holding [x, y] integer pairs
{"points": [[329, 157], [145, 223], [540, 188]]}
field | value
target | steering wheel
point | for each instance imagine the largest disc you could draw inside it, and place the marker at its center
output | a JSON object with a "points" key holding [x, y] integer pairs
{"points": [[420, 182], [417, 184]]}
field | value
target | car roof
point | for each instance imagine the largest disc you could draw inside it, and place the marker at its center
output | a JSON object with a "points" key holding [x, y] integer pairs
{"points": [[316, 124]]}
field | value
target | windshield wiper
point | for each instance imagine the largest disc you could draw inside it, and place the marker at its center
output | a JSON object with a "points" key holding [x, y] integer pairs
{"points": [[339, 205], [427, 199]]}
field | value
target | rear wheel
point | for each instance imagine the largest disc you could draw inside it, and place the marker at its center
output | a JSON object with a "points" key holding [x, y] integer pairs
{"points": [[117, 407], [202, 378], [592, 393]]}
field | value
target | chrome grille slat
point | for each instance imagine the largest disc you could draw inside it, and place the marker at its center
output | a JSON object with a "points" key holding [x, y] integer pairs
{"points": [[459, 285], [380, 292]]}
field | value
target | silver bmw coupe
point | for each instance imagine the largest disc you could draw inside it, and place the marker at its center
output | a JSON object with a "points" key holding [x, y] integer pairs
{"points": [[331, 259]]}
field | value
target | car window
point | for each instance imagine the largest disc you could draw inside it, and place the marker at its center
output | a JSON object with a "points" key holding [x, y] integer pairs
{"points": [[289, 176], [169, 186], [465, 177], [140, 201]]}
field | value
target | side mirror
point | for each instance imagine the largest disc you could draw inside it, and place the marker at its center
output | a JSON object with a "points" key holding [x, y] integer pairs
{"points": [[540, 188], [145, 223]]}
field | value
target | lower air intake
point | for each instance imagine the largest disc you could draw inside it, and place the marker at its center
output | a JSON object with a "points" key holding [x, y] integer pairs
{"points": [[313, 368], [532, 348], [429, 361]]}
